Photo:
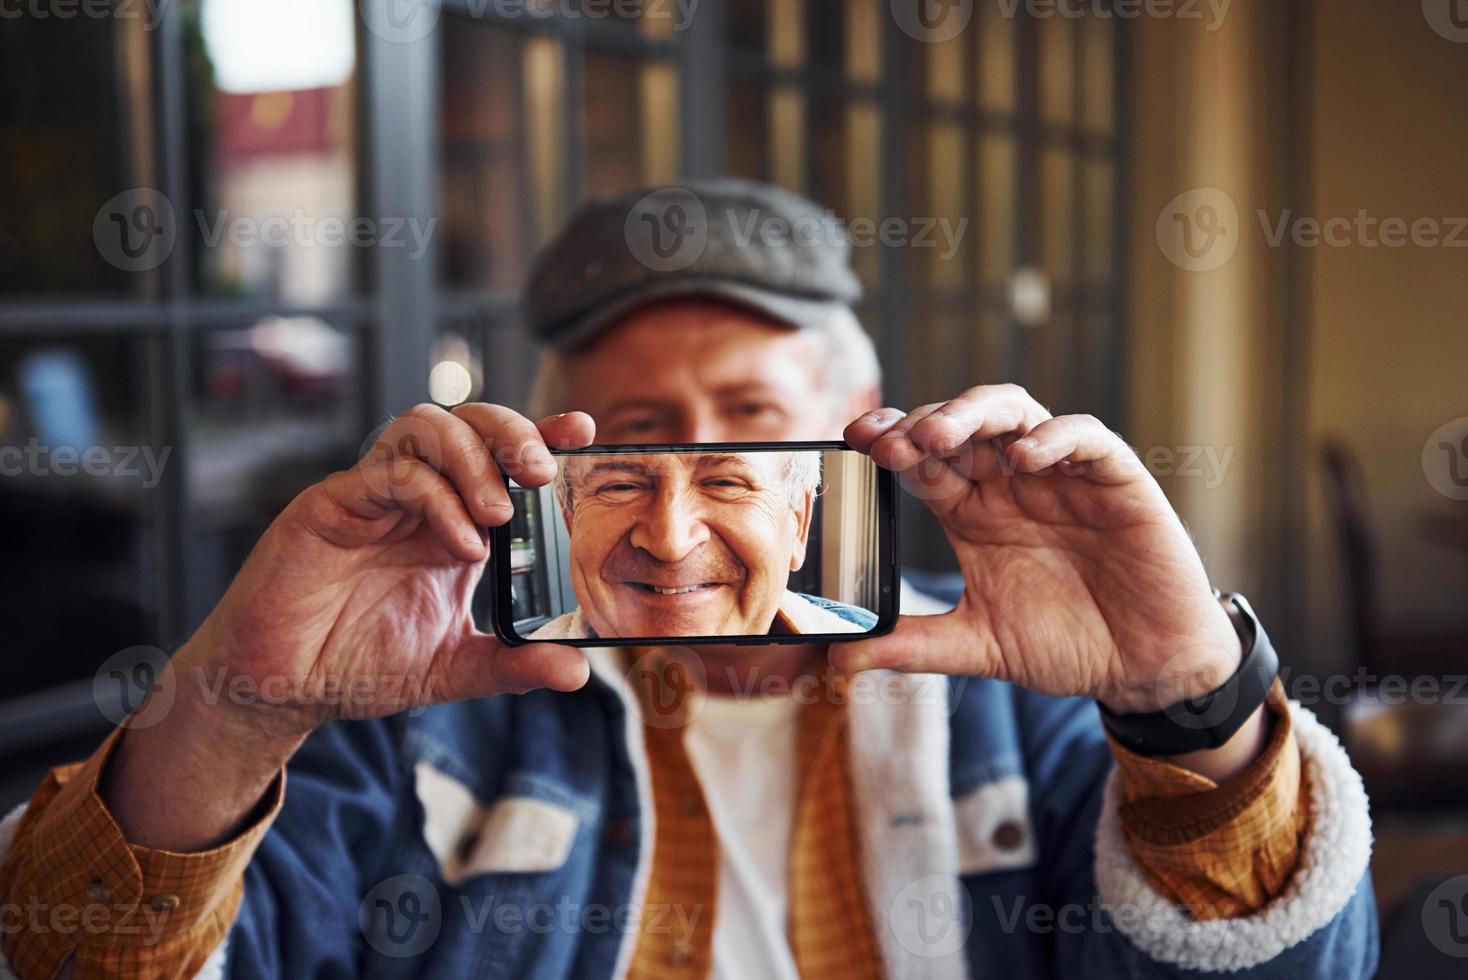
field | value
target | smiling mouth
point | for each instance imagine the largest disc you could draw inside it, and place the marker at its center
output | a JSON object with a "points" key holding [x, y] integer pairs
{"points": [[673, 589]]}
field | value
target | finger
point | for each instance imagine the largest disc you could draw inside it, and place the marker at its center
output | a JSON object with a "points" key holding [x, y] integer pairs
{"points": [[985, 412], [893, 449], [453, 447], [866, 429], [943, 644], [483, 666], [571, 430], [1079, 445], [514, 442], [361, 497]]}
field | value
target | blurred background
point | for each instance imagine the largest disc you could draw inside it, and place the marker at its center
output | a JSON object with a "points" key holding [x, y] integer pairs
{"points": [[236, 234]]}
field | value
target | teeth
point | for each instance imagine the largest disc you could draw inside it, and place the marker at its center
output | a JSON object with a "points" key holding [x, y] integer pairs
{"points": [[674, 591]]}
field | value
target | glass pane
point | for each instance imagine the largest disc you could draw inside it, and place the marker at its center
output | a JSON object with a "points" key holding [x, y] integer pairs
{"points": [[76, 131], [1057, 68], [938, 230], [1057, 215], [543, 73], [987, 352], [275, 407], [996, 57], [1097, 221], [744, 25], [630, 123], [273, 144], [787, 137], [747, 138], [996, 208], [863, 39], [927, 328], [491, 207], [1050, 352], [78, 478], [847, 174], [947, 69], [1098, 36], [785, 33]]}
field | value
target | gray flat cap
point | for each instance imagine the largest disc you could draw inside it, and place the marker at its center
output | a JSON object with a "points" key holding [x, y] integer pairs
{"points": [[748, 243]]}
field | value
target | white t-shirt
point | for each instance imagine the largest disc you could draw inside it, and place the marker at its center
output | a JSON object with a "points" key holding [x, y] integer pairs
{"points": [[743, 753]]}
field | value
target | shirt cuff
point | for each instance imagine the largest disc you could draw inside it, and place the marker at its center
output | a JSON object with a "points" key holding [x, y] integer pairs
{"points": [[1221, 850], [122, 910]]}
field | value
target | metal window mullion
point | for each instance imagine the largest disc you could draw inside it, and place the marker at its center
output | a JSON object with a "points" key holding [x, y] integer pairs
{"points": [[702, 101], [176, 548], [1076, 347], [401, 85]]}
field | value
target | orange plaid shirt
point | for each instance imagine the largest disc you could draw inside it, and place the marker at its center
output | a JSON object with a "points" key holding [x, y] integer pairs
{"points": [[126, 911]]}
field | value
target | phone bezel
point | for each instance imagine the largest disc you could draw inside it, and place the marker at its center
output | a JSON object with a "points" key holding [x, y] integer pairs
{"points": [[501, 613]]}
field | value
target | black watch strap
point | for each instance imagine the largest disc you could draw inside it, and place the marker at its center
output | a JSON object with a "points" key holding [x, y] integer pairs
{"points": [[1208, 721]]}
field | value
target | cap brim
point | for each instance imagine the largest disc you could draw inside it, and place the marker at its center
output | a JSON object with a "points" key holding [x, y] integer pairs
{"points": [[795, 312]]}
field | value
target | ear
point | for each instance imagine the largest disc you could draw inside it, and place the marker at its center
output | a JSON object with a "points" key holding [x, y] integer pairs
{"points": [[803, 514]]}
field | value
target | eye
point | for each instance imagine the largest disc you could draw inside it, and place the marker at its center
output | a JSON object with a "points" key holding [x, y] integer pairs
{"points": [[614, 492], [727, 487]]}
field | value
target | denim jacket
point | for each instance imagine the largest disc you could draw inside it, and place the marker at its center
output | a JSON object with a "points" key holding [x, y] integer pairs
{"points": [[511, 837]]}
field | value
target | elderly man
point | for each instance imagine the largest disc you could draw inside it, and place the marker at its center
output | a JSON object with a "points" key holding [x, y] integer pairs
{"points": [[692, 544], [946, 803]]}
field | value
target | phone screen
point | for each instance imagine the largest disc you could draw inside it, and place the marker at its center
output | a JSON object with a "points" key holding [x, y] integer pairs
{"points": [[729, 542]]}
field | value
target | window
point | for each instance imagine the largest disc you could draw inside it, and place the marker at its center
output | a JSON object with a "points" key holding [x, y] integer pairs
{"points": [[243, 234]]}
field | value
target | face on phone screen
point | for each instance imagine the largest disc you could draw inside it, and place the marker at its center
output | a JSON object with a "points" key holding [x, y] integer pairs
{"points": [[703, 542]]}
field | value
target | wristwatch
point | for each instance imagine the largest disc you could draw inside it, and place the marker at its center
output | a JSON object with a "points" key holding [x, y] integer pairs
{"points": [[1208, 721]]}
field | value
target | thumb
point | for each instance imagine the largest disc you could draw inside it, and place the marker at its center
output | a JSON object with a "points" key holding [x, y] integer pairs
{"points": [[482, 666], [942, 644]]}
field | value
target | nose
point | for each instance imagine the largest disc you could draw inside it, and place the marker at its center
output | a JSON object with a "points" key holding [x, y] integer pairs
{"points": [[672, 527], [700, 425]]}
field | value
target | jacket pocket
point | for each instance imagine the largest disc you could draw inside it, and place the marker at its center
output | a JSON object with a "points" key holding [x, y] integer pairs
{"points": [[514, 833]]}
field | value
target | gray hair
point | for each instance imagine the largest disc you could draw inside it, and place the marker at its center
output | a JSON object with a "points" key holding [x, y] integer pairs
{"points": [[802, 476], [846, 352]]}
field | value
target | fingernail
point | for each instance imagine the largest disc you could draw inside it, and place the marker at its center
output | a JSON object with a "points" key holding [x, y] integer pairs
{"points": [[1027, 443]]}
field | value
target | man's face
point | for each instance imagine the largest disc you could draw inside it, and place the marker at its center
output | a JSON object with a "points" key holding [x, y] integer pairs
{"points": [[703, 371], [687, 544]]}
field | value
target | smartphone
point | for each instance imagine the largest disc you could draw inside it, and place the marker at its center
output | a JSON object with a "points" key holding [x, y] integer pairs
{"points": [[777, 542]]}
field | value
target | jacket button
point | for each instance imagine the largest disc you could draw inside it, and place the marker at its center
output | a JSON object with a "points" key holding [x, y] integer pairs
{"points": [[164, 903], [1008, 836]]}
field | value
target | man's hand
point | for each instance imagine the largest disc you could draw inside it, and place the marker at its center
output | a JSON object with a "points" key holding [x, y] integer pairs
{"points": [[1079, 578], [354, 604]]}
